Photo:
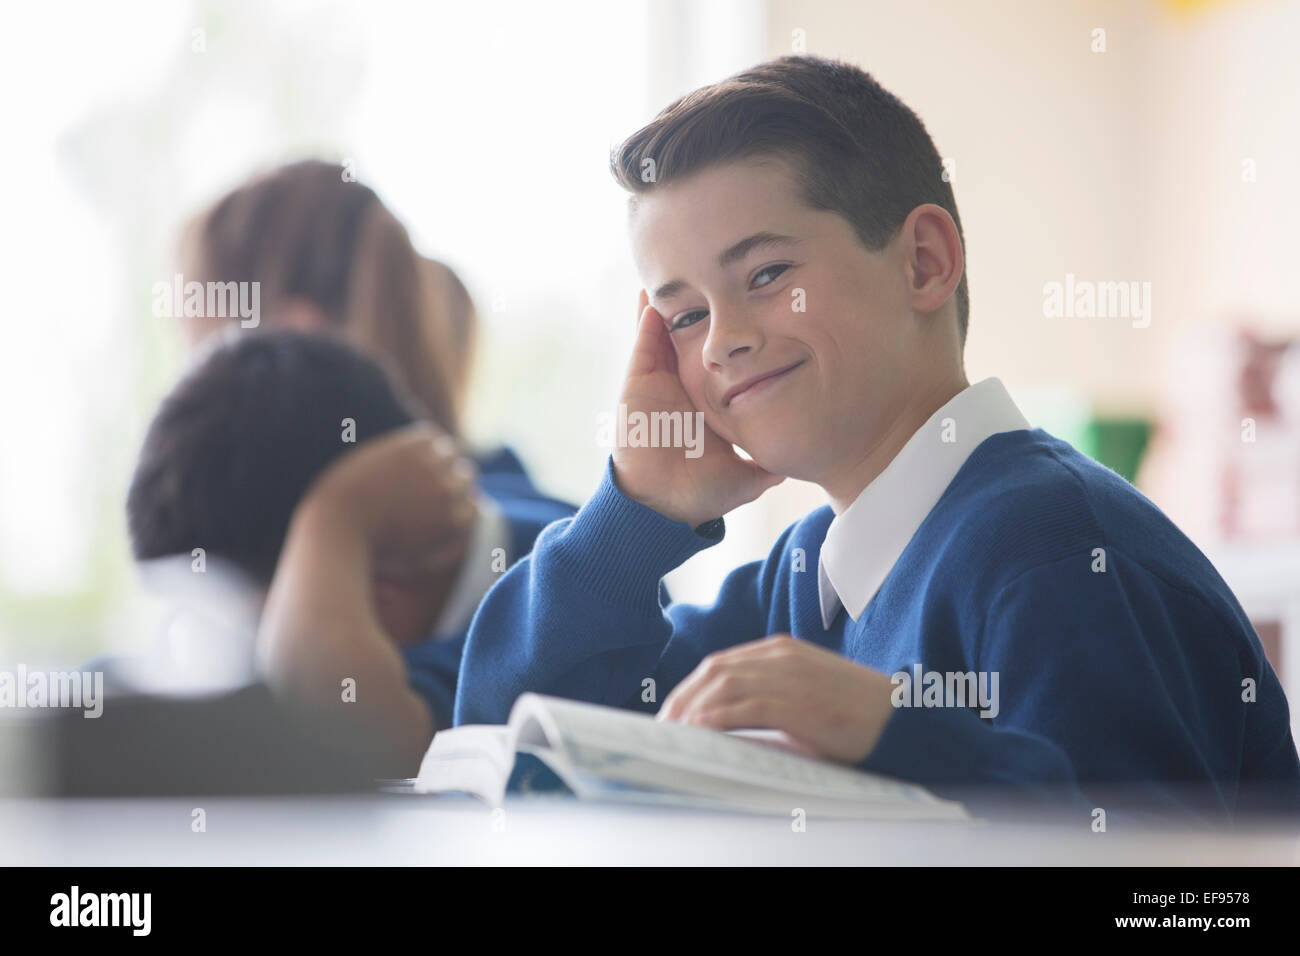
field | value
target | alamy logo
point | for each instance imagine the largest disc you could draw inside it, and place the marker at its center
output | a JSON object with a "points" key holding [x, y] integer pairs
{"points": [[1084, 299], [946, 689], [83, 690], [75, 908], [209, 300], [653, 430]]}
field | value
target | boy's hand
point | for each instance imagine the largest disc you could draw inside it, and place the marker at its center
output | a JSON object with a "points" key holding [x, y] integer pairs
{"points": [[833, 707], [401, 504], [408, 494], [692, 490]]}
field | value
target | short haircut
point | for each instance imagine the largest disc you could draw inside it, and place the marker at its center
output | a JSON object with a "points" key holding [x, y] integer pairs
{"points": [[238, 441], [858, 150]]}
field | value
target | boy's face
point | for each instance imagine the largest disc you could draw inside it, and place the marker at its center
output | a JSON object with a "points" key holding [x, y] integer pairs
{"points": [[752, 282]]}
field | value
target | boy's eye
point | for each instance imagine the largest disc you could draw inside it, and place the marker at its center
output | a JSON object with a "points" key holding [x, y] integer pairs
{"points": [[768, 274], [687, 318]]}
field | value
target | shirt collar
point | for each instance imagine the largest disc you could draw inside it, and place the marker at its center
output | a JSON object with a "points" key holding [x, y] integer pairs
{"points": [[476, 575], [864, 542]]}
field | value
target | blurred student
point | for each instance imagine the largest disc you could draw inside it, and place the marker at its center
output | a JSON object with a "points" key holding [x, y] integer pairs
{"points": [[360, 527], [329, 257], [455, 317]]}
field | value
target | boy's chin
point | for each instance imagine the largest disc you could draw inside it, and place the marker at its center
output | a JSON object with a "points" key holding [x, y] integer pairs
{"points": [[777, 456]]}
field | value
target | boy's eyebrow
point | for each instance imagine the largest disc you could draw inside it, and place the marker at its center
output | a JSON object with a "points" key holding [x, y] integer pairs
{"points": [[668, 290], [748, 245], [730, 256]]}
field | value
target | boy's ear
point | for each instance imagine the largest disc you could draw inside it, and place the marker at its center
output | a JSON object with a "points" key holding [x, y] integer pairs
{"points": [[932, 255]]}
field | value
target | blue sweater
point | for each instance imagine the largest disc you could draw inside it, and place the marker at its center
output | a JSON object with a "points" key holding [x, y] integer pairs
{"points": [[1131, 676], [433, 665]]}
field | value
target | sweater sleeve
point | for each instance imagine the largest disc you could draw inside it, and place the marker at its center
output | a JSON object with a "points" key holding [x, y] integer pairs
{"points": [[1111, 683], [581, 616], [432, 668]]}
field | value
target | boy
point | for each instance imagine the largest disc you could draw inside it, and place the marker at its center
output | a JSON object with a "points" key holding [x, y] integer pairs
{"points": [[297, 460], [807, 294]]}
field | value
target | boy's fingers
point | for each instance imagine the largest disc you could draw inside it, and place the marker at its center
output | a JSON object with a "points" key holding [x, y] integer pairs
{"points": [[462, 476], [652, 350], [746, 713], [678, 697], [667, 354], [687, 695], [422, 434], [759, 647], [681, 697], [739, 684], [643, 350], [444, 446]]}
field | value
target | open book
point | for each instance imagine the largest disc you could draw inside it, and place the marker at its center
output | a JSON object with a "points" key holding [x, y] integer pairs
{"points": [[600, 753]]}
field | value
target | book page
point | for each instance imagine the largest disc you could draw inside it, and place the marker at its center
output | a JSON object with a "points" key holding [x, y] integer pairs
{"points": [[473, 759], [598, 740]]}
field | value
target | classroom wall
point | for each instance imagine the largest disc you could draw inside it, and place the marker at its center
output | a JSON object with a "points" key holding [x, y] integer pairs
{"points": [[1113, 166]]}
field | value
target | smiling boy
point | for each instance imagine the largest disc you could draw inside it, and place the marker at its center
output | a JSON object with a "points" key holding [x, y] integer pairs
{"points": [[805, 268]]}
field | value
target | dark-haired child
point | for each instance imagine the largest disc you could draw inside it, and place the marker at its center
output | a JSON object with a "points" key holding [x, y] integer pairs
{"points": [[297, 460]]}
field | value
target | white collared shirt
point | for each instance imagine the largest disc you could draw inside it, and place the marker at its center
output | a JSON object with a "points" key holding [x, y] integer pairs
{"points": [[477, 574], [864, 542]]}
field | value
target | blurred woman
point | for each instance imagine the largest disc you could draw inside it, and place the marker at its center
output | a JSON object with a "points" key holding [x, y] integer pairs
{"points": [[330, 257]]}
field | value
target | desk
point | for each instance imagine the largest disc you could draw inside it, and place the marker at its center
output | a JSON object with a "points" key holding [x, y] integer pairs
{"points": [[401, 829]]}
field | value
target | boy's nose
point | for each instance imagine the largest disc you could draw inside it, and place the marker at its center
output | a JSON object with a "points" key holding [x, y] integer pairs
{"points": [[729, 338]]}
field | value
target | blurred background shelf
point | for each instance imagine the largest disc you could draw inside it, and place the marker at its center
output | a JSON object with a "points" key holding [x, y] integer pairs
{"points": [[1266, 579]]}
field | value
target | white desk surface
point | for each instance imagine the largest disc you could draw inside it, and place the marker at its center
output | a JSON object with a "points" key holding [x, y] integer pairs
{"points": [[395, 829]]}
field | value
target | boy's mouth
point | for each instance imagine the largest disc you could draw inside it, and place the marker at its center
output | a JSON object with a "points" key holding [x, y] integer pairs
{"points": [[757, 383]]}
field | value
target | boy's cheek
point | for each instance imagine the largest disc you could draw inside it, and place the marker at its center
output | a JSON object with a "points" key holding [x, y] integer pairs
{"points": [[699, 397], [720, 427], [690, 373]]}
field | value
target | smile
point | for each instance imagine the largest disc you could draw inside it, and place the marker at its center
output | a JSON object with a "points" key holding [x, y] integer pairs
{"points": [[759, 383]]}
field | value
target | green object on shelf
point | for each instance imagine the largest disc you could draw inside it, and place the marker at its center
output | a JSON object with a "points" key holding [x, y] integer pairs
{"points": [[1118, 443]]}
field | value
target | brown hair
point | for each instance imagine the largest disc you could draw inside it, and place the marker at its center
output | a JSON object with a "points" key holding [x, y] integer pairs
{"points": [[309, 231], [454, 305], [859, 151]]}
